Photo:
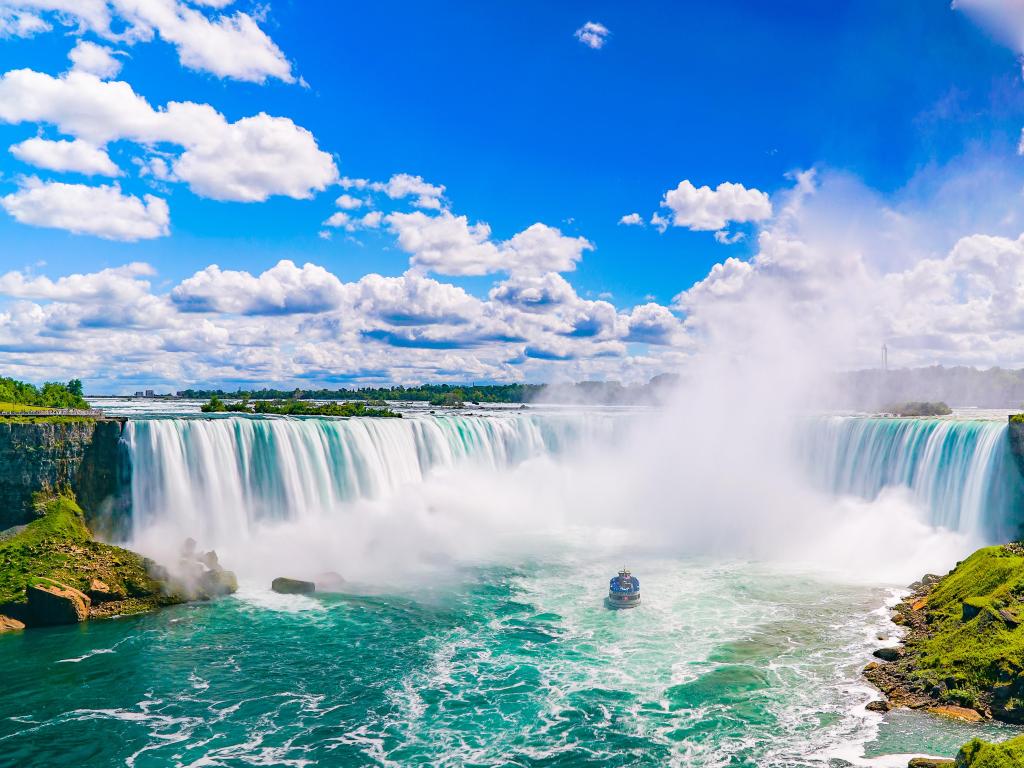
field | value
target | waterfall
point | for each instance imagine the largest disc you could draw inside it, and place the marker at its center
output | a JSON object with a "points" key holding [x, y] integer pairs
{"points": [[961, 472], [221, 475]]}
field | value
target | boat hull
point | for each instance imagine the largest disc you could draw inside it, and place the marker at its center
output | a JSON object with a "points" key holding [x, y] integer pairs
{"points": [[620, 603]]}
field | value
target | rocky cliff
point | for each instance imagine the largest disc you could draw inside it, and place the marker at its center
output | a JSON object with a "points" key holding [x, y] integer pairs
{"points": [[83, 455], [1016, 438]]}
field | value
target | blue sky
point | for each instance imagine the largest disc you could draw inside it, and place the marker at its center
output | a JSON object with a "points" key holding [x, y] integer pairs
{"points": [[891, 105]]}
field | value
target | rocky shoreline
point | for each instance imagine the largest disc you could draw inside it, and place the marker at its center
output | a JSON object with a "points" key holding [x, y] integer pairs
{"points": [[53, 572], [961, 654]]}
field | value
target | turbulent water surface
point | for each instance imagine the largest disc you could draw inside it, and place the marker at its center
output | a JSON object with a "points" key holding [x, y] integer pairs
{"points": [[506, 662]]}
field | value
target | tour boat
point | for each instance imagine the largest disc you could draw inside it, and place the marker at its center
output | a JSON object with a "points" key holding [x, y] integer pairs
{"points": [[624, 590]]}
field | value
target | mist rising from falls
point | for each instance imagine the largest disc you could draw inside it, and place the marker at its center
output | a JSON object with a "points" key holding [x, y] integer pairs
{"points": [[227, 480], [393, 496]]}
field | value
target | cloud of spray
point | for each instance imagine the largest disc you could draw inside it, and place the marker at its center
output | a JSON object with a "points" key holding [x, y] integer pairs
{"points": [[713, 474]]}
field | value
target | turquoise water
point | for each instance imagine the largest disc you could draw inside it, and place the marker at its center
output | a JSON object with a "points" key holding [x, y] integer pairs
{"points": [[723, 665], [475, 655]]}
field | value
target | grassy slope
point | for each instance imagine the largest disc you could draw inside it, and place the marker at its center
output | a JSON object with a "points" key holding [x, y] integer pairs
{"points": [[59, 546], [970, 658], [980, 754]]}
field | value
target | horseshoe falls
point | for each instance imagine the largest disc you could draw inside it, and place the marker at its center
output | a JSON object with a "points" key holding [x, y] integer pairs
{"points": [[961, 472], [477, 550]]}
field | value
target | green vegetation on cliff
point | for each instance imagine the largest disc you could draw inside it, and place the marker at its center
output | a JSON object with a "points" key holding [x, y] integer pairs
{"points": [[981, 754], [297, 408], [965, 640], [52, 394], [59, 546]]}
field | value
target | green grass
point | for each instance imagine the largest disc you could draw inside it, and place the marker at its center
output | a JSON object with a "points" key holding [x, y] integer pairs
{"points": [[28, 418], [981, 754], [19, 407], [59, 546], [972, 658]]}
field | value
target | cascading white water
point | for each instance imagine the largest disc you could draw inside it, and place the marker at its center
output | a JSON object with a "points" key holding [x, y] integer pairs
{"points": [[960, 471], [220, 476]]}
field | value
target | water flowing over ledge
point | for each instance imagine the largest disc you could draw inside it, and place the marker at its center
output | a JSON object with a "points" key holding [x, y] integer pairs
{"points": [[231, 472], [962, 472]]}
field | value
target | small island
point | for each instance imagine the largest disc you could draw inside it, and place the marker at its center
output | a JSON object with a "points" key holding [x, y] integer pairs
{"points": [[918, 410], [298, 408]]}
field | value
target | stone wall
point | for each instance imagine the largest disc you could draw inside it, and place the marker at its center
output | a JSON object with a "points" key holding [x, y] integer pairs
{"points": [[81, 455]]}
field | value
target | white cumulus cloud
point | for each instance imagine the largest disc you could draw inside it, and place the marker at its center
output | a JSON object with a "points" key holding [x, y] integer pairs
{"points": [[247, 160], [95, 59], [103, 211], [281, 290], [227, 45], [77, 156], [449, 245], [706, 209]]}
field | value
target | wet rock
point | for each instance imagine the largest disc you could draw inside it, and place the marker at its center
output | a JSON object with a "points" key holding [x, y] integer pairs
{"points": [[217, 583], [210, 560], [156, 571], [888, 653], [929, 762], [51, 603], [100, 592], [286, 586], [8, 624], [877, 706], [956, 713]]}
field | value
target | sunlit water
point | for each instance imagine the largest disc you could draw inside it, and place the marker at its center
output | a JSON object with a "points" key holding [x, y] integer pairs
{"points": [[509, 663]]}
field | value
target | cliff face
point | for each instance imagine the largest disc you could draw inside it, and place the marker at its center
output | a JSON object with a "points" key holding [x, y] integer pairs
{"points": [[81, 455], [1016, 436]]}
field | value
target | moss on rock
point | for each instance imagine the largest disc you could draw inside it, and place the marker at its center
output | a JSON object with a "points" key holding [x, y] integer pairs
{"points": [[58, 547], [982, 754]]}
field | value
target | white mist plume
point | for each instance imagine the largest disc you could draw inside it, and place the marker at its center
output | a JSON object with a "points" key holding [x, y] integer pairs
{"points": [[714, 474]]}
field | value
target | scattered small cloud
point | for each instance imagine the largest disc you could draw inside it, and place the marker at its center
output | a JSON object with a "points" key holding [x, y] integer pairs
{"points": [[632, 220], [725, 237], [593, 35], [706, 209]]}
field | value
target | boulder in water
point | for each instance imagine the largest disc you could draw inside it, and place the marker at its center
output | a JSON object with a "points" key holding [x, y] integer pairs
{"points": [[217, 583], [51, 603], [877, 706], [7, 624], [286, 586], [888, 653], [929, 762]]}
